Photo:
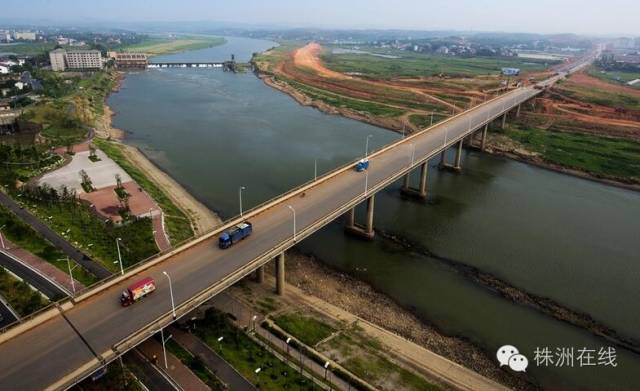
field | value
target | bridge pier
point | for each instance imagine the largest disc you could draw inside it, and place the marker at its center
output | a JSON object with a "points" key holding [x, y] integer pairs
{"points": [[457, 166], [518, 111], [483, 143], [280, 274], [421, 191], [504, 120], [260, 275], [363, 231]]}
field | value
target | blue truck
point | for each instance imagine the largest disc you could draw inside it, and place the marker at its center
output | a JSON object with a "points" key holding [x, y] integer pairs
{"points": [[234, 235], [362, 165]]}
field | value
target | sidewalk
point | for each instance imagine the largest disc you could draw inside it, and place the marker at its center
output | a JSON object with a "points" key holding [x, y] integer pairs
{"points": [[159, 231], [212, 360], [176, 370]]}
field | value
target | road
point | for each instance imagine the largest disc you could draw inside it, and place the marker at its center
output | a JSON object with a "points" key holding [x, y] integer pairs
{"points": [[103, 323], [7, 314], [149, 375], [32, 277], [92, 266]]}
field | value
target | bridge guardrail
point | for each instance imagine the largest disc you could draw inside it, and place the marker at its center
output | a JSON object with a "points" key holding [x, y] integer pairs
{"points": [[32, 320]]}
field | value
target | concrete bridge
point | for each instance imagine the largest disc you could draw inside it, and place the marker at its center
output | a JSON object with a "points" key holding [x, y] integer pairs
{"points": [[230, 66], [66, 343]]}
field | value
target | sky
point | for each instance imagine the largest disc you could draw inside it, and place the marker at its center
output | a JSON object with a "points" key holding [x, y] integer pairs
{"points": [[536, 16]]}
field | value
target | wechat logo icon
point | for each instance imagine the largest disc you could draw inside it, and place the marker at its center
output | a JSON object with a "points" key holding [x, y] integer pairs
{"points": [[509, 355]]}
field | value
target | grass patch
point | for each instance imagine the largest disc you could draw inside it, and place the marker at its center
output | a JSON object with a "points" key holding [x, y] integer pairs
{"points": [[598, 96], [306, 328], [245, 355], [617, 77], [27, 48], [411, 64], [24, 236], [267, 305], [195, 364], [19, 295], [177, 223], [79, 225], [424, 121], [156, 46], [602, 156]]}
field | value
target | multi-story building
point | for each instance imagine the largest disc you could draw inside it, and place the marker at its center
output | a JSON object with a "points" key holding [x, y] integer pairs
{"points": [[57, 59], [25, 35], [84, 59], [75, 59], [129, 59]]}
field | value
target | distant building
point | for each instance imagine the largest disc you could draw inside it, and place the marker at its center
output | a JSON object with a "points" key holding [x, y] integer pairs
{"points": [[511, 71], [75, 59], [25, 35], [4, 69], [56, 57], [129, 60]]}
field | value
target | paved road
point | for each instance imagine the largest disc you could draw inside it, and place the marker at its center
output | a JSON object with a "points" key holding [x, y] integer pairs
{"points": [[32, 277], [92, 266], [103, 323], [212, 360], [7, 315], [149, 375]]}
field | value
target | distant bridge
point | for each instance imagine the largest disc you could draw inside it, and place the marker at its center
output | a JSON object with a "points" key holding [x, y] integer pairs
{"points": [[231, 66]]}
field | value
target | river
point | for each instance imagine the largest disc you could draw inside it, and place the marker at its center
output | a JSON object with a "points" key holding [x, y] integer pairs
{"points": [[561, 237]]}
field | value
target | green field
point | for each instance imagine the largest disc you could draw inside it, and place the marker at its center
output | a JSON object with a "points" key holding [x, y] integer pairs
{"points": [[618, 77], [19, 295], [246, 356], [24, 236], [602, 156], [411, 64], [157, 46], [177, 223], [598, 96], [306, 328], [424, 121], [27, 48]]}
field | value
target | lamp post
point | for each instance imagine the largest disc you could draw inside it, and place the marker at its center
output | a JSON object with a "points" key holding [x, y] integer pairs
{"points": [[366, 146], [315, 169], [366, 182], [412, 147], [240, 197], [164, 341], [287, 342], [294, 221], [119, 255], [1, 238], [73, 283], [173, 307]]}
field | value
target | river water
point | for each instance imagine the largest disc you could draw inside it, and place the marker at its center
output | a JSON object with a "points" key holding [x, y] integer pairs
{"points": [[568, 239]]}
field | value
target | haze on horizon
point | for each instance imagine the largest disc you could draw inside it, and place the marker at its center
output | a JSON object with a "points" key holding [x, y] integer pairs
{"points": [[540, 16]]}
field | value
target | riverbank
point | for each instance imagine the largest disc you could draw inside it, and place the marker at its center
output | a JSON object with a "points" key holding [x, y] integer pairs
{"points": [[315, 278], [202, 218]]}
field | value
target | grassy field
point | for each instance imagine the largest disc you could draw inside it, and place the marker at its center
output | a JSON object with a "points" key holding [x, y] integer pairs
{"points": [[364, 358], [27, 48], [411, 64], [19, 295], [24, 236], [306, 328], [424, 121], [246, 356], [618, 77], [79, 225], [177, 223], [157, 46], [601, 156], [598, 96]]}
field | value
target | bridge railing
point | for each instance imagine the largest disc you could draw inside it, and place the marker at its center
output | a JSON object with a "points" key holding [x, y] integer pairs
{"points": [[65, 303]]}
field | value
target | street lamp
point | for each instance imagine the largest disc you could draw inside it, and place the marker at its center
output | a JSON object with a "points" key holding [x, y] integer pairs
{"points": [[253, 322], [1, 238], [173, 307], [287, 342], [73, 284], [240, 196], [326, 368], [366, 146], [412, 147], [119, 255], [315, 169], [294, 221], [164, 341], [366, 182]]}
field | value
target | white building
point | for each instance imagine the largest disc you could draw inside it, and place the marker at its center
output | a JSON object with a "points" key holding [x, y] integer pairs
{"points": [[75, 59], [84, 59], [25, 35], [4, 70], [57, 59]]}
